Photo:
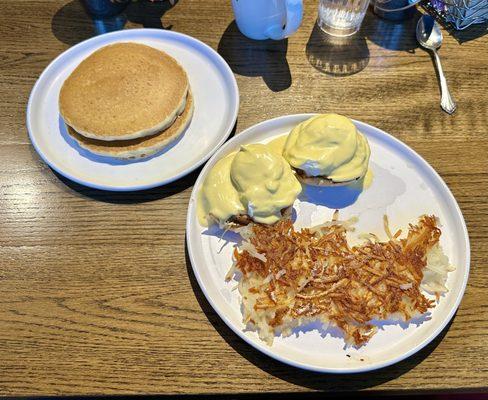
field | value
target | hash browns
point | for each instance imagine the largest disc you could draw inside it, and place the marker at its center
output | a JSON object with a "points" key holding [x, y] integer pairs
{"points": [[290, 277]]}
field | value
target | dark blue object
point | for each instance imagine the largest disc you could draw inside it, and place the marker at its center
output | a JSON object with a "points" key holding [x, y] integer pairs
{"points": [[109, 24], [459, 13], [395, 10], [104, 8]]}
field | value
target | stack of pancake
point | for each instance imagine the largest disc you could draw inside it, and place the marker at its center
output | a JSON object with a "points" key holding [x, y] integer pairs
{"points": [[126, 100]]}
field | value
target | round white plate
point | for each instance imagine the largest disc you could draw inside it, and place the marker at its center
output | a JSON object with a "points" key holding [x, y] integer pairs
{"points": [[216, 97], [404, 187]]}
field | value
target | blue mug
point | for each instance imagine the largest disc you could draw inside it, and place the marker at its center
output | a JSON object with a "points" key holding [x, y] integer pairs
{"points": [[268, 19]]}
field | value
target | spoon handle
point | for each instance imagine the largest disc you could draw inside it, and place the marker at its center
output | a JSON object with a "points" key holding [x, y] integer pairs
{"points": [[447, 103]]}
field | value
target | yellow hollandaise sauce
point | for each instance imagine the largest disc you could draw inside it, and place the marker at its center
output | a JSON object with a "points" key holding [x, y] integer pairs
{"points": [[277, 144], [218, 200], [256, 181], [328, 145]]}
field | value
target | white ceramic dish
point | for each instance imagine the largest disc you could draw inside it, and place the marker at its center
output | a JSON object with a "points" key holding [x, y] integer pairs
{"points": [[404, 187], [216, 99]]}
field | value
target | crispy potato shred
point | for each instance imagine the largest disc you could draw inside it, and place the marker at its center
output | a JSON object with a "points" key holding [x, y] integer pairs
{"points": [[315, 274]]}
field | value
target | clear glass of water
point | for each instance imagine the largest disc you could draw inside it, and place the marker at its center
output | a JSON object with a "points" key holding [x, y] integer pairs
{"points": [[341, 17]]}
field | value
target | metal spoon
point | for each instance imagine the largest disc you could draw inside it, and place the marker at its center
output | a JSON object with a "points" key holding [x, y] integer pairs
{"points": [[429, 36]]}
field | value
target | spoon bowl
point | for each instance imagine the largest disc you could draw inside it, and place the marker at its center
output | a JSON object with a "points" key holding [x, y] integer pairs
{"points": [[429, 33]]}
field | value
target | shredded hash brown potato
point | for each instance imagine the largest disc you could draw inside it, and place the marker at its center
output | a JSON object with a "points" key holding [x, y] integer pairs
{"points": [[289, 277]]}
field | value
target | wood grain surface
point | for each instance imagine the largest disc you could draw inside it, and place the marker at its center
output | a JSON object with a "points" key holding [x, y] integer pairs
{"points": [[96, 291]]}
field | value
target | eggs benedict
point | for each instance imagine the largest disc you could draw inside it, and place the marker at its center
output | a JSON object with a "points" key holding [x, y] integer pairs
{"points": [[327, 150], [254, 184]]}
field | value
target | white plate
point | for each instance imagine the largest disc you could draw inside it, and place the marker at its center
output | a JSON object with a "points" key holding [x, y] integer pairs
{"points": [[404, 187], [216, 99]]}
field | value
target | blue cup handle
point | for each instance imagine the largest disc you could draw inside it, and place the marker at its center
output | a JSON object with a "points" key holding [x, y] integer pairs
{"points": [[294, 14]]}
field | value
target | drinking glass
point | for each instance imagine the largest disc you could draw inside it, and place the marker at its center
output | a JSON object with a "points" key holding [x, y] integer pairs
{"points": [[341, 17]]}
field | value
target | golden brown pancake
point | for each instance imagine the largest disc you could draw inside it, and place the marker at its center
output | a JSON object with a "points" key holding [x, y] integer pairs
{"points": [[141, 147], [123, 91]]}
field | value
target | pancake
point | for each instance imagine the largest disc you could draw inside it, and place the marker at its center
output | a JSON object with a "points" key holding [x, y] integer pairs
{"points": [[141, 147], [123, 91]]}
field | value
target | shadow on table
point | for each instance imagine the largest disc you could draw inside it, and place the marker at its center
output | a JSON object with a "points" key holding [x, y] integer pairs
{"points": [[131, 197], [312, 380], [266, 58], [149, 13], [72, 24], [392, 35], [337, 56]]}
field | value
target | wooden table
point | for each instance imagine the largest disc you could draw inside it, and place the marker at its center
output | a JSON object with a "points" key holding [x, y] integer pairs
{"points": [[96, 291]]}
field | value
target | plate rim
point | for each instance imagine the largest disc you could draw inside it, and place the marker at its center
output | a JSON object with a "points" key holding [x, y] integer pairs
{"points": [[158, 34], [266, 349]]}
